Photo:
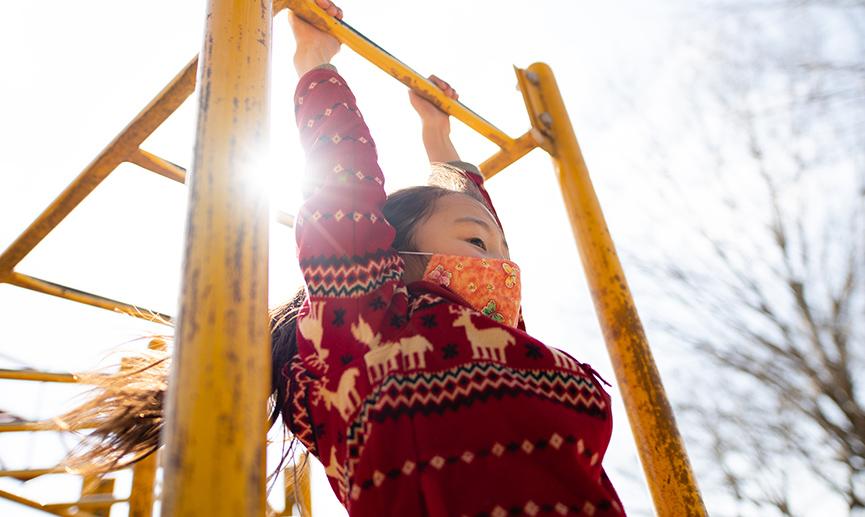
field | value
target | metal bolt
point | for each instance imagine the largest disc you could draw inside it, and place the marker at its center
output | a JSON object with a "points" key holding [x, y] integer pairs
{"points": [[533, 78], [546, 119]]}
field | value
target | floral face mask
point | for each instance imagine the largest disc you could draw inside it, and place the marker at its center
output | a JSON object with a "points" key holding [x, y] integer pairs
{"points": [[491, 286]]}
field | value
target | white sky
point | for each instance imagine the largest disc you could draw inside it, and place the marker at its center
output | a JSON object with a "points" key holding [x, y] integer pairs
{"points": [[74, 73]]}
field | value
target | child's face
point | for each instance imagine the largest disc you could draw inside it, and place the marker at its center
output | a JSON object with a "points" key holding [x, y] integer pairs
{"points": [[461, 225]]}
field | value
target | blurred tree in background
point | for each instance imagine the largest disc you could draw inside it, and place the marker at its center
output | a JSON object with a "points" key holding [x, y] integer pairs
{"points": [[767, 256]]}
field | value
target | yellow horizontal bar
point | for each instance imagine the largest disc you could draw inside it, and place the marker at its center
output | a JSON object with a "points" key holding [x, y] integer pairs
{"points": [[16, 427], [38, 425], [34, 375], [30, 503], [28, 474], [177, 173], [504, 157], [151, 117], [158, 165], [89, 501], [69, 293], [400, 71], [285, 218]]}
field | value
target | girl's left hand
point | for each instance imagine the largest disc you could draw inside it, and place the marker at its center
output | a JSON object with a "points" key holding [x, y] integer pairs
{"points": [[431, 116], [314, 47]]}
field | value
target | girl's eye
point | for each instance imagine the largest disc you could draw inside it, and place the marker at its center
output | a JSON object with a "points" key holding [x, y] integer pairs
{"points": [[478, 242]]}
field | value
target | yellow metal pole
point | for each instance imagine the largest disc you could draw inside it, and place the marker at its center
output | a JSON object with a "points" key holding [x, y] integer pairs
{"points": [[177, 173], [159, 109], [309, 11], [38, 425], [158, 165], [143, 479], [70, 293], [521, 147], [96, 490], [662, 452], [297, 489], [29, 503], [142, 495], [34, 375], [28, 474], [216, 412]]}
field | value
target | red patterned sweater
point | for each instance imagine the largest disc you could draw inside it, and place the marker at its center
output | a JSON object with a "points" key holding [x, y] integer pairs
{"points": [[414, 403]]}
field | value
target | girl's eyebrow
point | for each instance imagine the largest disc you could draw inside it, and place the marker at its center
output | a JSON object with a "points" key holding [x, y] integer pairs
{"points": [[470, 219]]}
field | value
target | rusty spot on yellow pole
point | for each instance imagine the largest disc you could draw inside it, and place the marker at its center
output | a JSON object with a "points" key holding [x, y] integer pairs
{"points": [[216, 413], [662, 452]]}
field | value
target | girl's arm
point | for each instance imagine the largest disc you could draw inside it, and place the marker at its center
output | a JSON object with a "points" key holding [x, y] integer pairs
{"points": [[435, 124], [435, 130], [343, 241]]}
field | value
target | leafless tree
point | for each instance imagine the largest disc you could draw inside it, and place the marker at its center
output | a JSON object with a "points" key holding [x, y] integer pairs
{"points": [[766, 260]]}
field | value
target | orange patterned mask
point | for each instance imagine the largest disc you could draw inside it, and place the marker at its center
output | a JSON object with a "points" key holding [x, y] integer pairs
{"points": [[491, 286]]}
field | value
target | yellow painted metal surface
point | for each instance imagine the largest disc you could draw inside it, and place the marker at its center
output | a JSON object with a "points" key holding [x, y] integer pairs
{"points": [[69, 293], [297, 487], [28, 474], [159, 109], [33, 375], [662, 452], [307, 10], [216, 414], [96, 506], [143, 479], [9, 496], [521, 147], [158, 165], [40, 425], [98, 492], [177, 173]]}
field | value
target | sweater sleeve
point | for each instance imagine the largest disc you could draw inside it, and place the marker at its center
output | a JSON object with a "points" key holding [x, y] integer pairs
{"points": [[343, 241]]}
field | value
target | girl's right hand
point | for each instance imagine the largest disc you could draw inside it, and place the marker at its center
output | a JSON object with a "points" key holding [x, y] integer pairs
{"points": [[314, 47]]}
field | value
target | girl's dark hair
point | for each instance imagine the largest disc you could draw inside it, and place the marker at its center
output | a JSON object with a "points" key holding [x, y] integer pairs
{"points": [[125, 412]]}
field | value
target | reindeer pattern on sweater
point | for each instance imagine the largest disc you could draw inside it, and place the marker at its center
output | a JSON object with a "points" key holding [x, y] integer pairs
{"points": [[416, 403]]}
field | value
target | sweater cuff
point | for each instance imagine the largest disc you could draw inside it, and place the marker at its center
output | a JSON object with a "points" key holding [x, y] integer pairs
{"points": [[467, 167]]}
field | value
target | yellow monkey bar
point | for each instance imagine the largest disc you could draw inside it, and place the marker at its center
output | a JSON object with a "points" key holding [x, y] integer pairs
{"points": [[224, 333]]}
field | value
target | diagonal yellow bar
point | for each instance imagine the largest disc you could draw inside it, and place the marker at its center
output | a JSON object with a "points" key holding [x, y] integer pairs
{"points": [[662, 452], [154, 114], [310, 12], [39, 506], [70, 293], [216, 409], [28, 474]]}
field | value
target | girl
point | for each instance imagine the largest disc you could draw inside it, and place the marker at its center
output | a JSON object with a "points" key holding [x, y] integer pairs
{"points": [[403, 365], [414, 382]]}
